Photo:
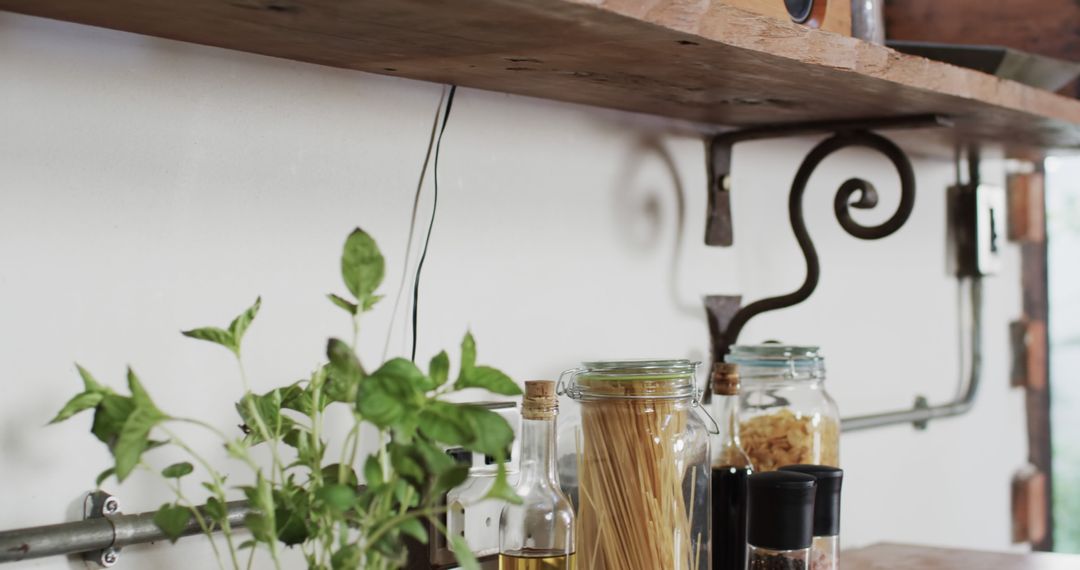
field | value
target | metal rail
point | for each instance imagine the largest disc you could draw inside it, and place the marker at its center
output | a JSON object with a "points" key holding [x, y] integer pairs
{"points": [[104, 533], [922, 413]]}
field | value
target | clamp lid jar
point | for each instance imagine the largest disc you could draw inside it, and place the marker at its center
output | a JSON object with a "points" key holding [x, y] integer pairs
{"points": [[787, 417], [634, 458]]}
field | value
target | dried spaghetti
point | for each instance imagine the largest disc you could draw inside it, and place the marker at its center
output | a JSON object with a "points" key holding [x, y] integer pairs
{"points": [[638, 478]]}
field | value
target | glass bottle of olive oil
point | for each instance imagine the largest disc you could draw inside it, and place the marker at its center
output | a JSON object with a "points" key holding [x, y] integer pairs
{"points": [[538, 534]]}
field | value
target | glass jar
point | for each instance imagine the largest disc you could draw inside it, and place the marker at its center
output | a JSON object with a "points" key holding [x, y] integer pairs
{"points": [[634, 459], [787, 417]]}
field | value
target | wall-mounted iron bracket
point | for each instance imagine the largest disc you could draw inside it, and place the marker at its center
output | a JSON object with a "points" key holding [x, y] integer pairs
{"points": [[726, 315]]}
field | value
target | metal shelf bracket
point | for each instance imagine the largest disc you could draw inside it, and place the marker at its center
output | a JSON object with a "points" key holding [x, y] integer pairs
{"points": [[726, 314]]}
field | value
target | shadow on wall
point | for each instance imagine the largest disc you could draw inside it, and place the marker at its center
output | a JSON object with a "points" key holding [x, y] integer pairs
{"points": [[640, 215]]}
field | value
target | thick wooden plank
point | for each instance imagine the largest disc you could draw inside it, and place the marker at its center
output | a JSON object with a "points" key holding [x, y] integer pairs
{"points": [[909, 557], [1047, 27], [700, 60]]}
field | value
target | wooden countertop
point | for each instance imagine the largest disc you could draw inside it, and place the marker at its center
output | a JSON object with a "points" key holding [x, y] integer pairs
{"points": [[912, 557]]}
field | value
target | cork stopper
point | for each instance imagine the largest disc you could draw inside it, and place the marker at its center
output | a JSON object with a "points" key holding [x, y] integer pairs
{"points": [[540, 402], [725, 379]]}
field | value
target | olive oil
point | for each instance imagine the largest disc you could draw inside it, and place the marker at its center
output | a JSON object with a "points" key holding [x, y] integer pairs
{"points": [[536, 560]]}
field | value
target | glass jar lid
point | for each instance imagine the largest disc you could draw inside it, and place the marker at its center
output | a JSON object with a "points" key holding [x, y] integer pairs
{"points": [[778, 361], [674, 378]]}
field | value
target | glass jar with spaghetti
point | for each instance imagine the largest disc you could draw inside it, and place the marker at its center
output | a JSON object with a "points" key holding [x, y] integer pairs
{"points": [[634, 460], [786, 417]]}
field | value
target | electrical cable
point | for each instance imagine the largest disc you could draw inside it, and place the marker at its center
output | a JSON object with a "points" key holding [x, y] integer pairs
{"points": [[431, 222], [412, 220]]}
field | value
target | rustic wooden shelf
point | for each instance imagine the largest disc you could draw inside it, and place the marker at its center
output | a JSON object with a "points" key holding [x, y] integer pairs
{"points": [[908, 557], [688, 59]]}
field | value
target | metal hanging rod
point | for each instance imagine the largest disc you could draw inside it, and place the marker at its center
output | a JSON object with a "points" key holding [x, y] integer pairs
{"points": [[102, 533]]}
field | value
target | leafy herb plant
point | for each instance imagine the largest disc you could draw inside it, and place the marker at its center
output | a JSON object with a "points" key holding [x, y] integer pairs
{"points": [[309, 495]]}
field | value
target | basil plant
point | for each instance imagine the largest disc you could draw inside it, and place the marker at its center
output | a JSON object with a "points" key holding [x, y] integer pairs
{"points": [[307, 495]]}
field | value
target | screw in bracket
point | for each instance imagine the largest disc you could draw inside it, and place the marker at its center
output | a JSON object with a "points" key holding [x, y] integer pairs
{"points": [[109, 557]]}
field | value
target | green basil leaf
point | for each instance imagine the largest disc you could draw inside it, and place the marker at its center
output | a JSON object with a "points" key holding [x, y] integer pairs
{"points": [[259, 526], [439, 368], [384, 397], [110, 416], [349, 307], [293, 530], [406, 464], [377, 404], [346, 558], [344, 372], [501, 489], [332, 475], [372, 472], [451, 477], [104, 475], [371, 300], [490, 379], [468, 356], [362, 265], [338, 497], [216, 510], [134, 439], [446, 423], [80, 402], [138, 394], [464, 555], [415, 528], [240, 324], [177, 470], [492, 434], [89, 382], [172, 520], [296, 398], [214, 335]]}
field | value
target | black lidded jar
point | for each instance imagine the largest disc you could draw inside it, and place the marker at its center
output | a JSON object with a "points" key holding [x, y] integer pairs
{"points": [[825, 552], [780, 506]]}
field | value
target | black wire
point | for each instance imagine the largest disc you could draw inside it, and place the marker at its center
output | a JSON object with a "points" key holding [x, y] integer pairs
{"points": [[431, 223]]}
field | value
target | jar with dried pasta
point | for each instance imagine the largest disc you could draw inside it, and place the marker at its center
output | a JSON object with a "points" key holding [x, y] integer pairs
{"points": [[634, 461], [787, 416]]}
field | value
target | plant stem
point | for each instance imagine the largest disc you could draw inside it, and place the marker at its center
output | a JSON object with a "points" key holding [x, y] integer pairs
{"points": [[398, 519], [264, 431], [219, 492]]}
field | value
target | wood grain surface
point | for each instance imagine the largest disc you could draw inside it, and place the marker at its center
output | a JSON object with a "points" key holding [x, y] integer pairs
{"points": [[700, 60], [910, 557]]}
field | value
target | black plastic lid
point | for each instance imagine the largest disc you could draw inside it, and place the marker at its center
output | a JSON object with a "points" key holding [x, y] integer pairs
{"points": [[780, 507], [827, 503]]}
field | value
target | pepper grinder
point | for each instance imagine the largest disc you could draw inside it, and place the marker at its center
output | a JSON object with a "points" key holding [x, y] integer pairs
{"points": [[825, 552], [780, 506]]}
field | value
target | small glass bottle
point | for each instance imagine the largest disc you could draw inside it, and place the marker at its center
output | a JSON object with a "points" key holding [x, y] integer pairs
{"points": [[538, 534], [730, 469], [825, 552], [780, 507]]}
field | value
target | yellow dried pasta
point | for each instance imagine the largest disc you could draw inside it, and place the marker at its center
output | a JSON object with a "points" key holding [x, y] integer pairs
{"points": [[784, 438]]}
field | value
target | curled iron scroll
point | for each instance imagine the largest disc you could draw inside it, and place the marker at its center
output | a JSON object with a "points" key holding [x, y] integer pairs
{"points": [[854, 193]]}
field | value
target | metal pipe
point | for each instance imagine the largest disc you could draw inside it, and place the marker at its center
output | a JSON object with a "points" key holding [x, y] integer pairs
{"points": [[97, 534], [921, 414]]}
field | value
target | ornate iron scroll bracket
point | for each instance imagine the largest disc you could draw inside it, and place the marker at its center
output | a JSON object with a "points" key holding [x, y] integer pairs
{"points": [[726, 315]]}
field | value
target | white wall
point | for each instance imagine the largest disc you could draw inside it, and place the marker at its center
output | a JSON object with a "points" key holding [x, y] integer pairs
{"points": [[148, 186]]}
